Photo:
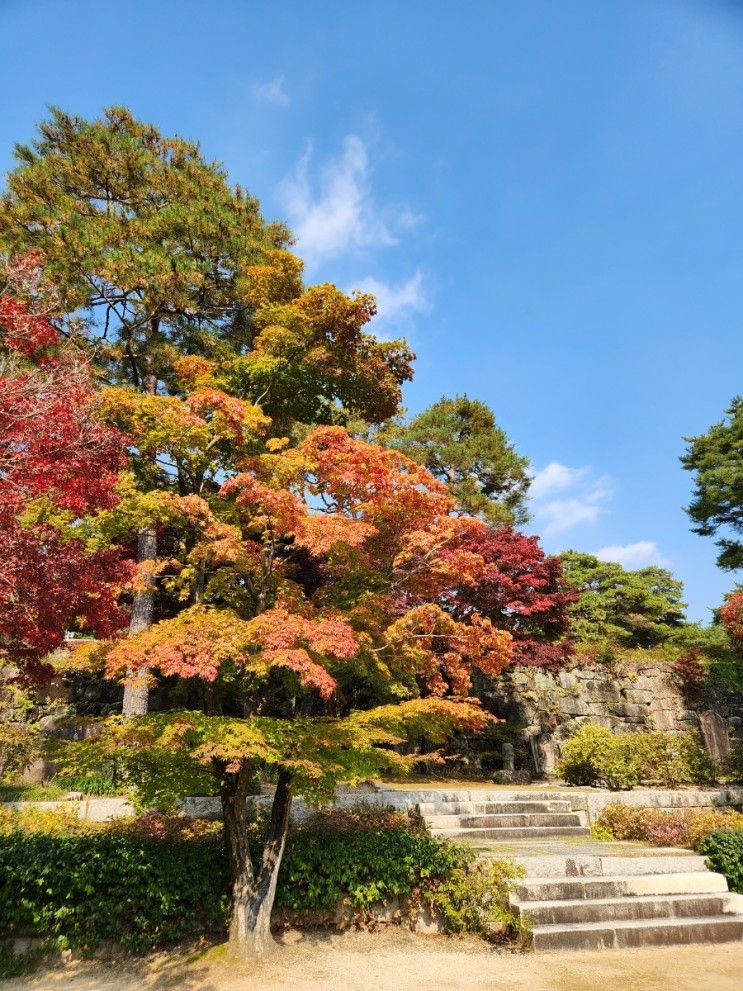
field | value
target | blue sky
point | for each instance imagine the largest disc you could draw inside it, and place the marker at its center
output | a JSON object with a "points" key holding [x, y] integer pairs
{"points": [[546, 197]]}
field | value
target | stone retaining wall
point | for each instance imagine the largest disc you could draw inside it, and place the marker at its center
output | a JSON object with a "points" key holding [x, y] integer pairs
{"points": [[547, 707]]}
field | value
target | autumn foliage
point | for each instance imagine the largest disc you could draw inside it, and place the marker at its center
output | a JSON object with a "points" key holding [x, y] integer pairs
{"points": [[731, 615], [58, 462], [306, 602], [310, 573]]}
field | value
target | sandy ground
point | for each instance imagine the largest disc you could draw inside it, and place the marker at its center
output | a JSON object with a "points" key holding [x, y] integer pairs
{"points": [[400, 961]]}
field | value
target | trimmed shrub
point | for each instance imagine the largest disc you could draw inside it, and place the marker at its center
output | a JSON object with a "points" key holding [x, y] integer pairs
{"points": [[147, 882], [671, 758], [357, 857], [724, 852], [682, 827], [597, 756]]}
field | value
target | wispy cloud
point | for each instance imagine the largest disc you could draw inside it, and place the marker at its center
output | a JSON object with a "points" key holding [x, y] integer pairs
{"points": [[334, 212], [408, 220], [272, 92], [394, 302], [554, 478], [559, 515], [585, 497], [641, 554]]}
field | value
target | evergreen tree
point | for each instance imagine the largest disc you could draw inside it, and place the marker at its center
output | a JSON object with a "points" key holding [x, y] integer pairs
{"points": [[716, 459], [460, 443]]}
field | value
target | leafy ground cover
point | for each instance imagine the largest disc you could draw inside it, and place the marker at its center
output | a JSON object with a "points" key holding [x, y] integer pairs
{"points": [[149, 882], [724, 851]]}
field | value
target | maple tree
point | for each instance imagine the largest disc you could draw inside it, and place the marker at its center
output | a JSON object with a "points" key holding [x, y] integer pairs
{"points": [[315, 656], [58, 462], [484, 563], [518, 587], [155, 257], [731, 614], [317, 600], [502, 575]]}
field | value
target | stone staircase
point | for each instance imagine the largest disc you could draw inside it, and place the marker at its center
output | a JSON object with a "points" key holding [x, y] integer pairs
{"points": [[584, 894], [594, 913], [503, 817]]}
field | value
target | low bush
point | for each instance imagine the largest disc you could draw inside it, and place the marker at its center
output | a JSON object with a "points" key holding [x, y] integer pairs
{"points": [[672, 758], [79, 884], [692, 670], [474, 898], [367, 856], [597, 756], [146, 882], [19, 748], [724, 852], [734, 762], [682, 827]]}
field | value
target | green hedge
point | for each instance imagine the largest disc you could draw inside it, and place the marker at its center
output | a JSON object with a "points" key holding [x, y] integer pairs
{"points": [[149, 882], [724, 852], [79, 890]]}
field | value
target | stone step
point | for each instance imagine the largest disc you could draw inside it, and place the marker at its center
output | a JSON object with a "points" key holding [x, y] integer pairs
{"points": [[644, 932], [563, 913], [580, 888], [577, 864], [505, 821], [522, 833], [491, 808]]}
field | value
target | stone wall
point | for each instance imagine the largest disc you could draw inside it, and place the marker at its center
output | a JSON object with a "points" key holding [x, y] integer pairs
{"points": [[589, 800], [545, 708]]}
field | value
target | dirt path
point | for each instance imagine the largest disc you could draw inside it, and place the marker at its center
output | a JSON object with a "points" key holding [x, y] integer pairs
{"points": [[398, 961]]}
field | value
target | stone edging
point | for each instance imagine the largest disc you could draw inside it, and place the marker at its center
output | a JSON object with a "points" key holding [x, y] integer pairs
{"points": [[589, 800]]}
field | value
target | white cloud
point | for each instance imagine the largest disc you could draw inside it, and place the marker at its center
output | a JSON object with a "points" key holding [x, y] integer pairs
{"points": [[563, 514], [336, 214], [395, 301], [638, 555], [272, 92], [584, 502], [601, 490], [554, 478]]}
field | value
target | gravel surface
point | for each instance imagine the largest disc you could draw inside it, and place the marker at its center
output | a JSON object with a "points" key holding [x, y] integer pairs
{"points": [[395, 960]]}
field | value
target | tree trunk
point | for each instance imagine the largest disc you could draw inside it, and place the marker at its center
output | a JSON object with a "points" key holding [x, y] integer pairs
{"points": [[253, 897], [136, 694]]}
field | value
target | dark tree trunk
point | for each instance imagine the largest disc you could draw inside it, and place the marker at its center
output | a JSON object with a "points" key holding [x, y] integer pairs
{"points": [[253, 895], [211, 702]]}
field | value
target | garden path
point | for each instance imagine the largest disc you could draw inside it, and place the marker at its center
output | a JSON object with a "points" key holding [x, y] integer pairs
{"points": [[395, 960]]}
